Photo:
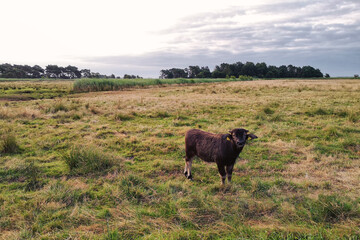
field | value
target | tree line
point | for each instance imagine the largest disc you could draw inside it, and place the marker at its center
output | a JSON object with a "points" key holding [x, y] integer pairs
{"points": [[259, 70], [51, 71], [224, 70]]}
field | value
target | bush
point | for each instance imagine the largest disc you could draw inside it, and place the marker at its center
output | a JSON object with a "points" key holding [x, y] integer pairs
{"points": [[87, 159], [245, 78]]}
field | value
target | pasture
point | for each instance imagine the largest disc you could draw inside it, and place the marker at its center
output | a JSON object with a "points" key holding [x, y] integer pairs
{"points": [[109, 165]]}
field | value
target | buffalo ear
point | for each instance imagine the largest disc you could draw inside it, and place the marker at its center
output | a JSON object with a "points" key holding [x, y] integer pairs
{"points": [[252, 136], [227, 137]]}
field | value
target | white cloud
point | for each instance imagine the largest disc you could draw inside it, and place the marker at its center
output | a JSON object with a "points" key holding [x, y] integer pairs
{"points": [[84, 33]]}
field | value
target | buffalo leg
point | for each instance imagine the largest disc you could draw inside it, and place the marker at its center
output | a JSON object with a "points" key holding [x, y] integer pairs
{"points": [[229, 170], [222, 172], [187, 170]]}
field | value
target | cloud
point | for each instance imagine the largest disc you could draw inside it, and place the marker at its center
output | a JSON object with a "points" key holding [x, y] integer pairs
{"points": [[324, 34], [306, 24]]}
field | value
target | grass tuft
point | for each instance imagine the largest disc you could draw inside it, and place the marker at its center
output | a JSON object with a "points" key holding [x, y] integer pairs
{"points": [[8, 144], [353, 117], [33, 176], [58, 106], [268, 111], [87, 159], [261, 189], [331, 132], [123, 117], [160, 114], [62, 193], [321, 111]]}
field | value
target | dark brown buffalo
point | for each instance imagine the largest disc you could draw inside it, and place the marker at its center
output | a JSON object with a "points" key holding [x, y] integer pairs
{"points": [[223, 149]]}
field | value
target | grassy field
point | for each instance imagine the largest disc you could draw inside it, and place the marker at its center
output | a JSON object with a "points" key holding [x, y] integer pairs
{"points": [[92, 85], [109, 165], [31, 89]]}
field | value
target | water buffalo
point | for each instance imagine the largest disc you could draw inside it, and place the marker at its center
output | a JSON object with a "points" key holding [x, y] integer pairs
{"points": [[223, 149]]}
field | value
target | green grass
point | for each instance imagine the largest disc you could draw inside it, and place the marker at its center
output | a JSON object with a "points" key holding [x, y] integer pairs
{"points": [[87, 159], [109, 165], [328, 209], [30, 89]]}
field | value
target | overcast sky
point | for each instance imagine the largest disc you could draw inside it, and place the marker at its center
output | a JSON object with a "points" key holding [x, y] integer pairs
{"points": [[141, 37]]}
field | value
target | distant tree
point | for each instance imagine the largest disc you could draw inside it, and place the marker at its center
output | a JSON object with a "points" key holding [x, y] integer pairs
{"points": [[174, 73], [26, 71], [221, 71], [226, 69], [204, 72], [310, 72], [193, 71], [327, 75], [356, 75], [7, 71], [318, 73], [198, 72], [37, 71], [53, 71], [261, 69], [298, 72], [95, 75], [307, 71], [282, 71], [19, 71], [249, 69], [291, 71], [71, 72], [166, 73], [218, 74], [179, 73], [127, 76], [238, 66], [85, 73], [273, 72]]}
